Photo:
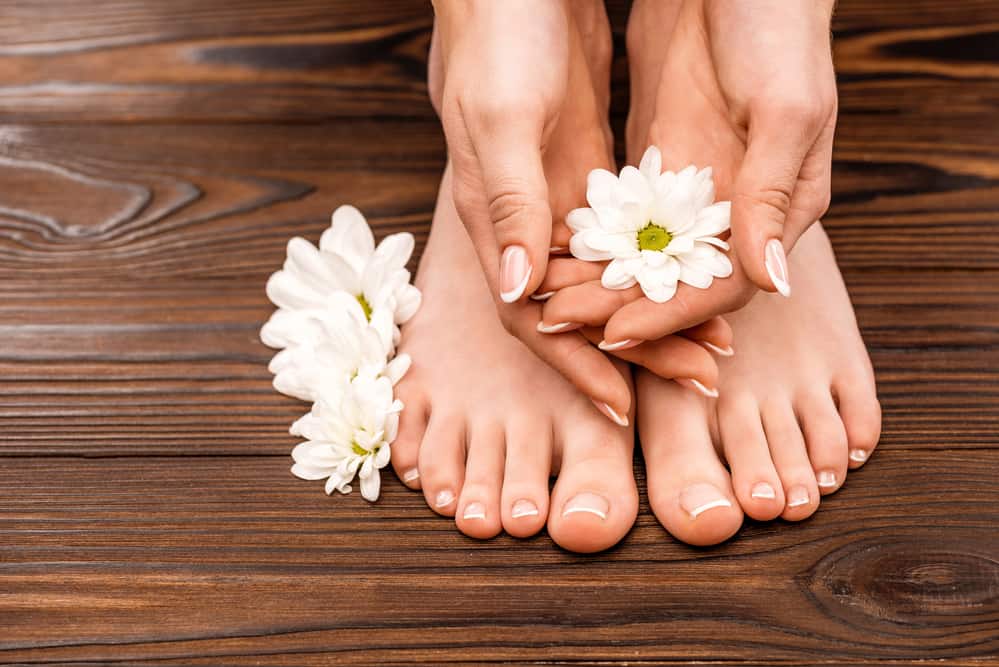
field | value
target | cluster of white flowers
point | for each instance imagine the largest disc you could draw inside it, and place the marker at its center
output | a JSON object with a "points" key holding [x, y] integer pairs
{"points": [[657, 228], [337, 326]]}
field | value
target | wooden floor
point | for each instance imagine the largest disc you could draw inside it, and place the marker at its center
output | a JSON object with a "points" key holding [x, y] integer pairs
{"points": [[154, 158]]}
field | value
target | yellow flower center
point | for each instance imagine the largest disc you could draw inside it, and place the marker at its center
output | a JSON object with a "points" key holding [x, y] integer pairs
{"points": [[361, 451], [653, 237], [365, 306]]}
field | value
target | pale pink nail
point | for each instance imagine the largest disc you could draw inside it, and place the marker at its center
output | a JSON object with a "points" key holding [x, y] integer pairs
{"points": [[763, 491], [544, 296], [411, 475], [444, 498], [691, 383], [826, 479], [699, 498], [797, 497], [474, 511], [515, 271], [589, 503], [726, 351], [858, 455], [522, 508], [611, 413], [620, 345], [776, 263], [555, 328]]}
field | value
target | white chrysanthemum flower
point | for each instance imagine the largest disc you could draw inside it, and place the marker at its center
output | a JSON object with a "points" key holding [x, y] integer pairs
{"points": [[656, 228], [323, 347], [348, 261], [348, 433]]}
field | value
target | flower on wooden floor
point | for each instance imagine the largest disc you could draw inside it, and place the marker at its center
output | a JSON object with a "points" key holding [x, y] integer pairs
{"points": [[337, 326], [656, 228]]}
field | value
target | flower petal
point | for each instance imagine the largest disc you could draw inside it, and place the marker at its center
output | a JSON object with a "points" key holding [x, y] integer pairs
{"points": [[600, 187], [395, 250], [395, 369], [652, 164], [371, 485], [580, 250], [711, 221], [407, 302], [619, 274], [349, 236], [633, 186], [286, 291], [579, 219]]}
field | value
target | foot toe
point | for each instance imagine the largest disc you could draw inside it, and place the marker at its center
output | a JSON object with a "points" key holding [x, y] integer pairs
{"points": [[442, 463], [406, 446], [861, 414], [524, 503], [825, 440], [478, 513], [790, 457], [754, 478]]}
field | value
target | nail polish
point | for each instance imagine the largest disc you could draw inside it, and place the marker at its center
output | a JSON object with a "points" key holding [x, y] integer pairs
{"points": [[726, 351], [797, 497], [553, 328], [522, 508], [474, 511], [763, 491], [515, 271], [691, 383], [556, 249], [444, 498], [411, 475], [611, 413], [589, 503], [620, 345], [826, 479], [858, 455], [776, 263], [697, 499], [544, 296]]}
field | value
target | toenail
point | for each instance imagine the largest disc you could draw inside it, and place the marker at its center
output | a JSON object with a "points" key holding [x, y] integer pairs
{"points": [[411, 475], [444, 498], [764, 491], [544, 296], [620, 345], [522, 508], [691, 383], [826, 479], [590, 503], [474, 511], [858, 455], [797, 497], [611, 413], [553, 328], [726, 351], [699, 498]]}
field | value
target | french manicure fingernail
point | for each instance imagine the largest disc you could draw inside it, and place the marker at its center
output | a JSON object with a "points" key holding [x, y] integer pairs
{"points": [[522, 508], [553, 328], [620, 345], [691, 383], [444, 498], [474, 511], [411, 475], [797, 496], [589, 503], [610, 412], [543, 296], [826, 479], [697, 499], [557, 249], [763, 491], [858, 455], [776, 263], [515, 271], [726, 351]]}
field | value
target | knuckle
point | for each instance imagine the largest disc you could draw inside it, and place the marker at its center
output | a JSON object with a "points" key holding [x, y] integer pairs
{"points": [[510, 201], [773, 202], [502, 106]]}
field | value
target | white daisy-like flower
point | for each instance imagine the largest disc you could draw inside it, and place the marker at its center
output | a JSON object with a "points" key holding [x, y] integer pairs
{"points": [[348, 433], [347, 260], [325, 347], [656, 228]]}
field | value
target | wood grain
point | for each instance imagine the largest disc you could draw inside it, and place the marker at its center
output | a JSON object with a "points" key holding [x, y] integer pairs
{"points": [[154, 159]]}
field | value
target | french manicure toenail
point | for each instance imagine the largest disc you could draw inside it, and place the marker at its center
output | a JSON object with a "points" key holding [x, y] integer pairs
{"points": [[776, 264], [515, 271], [553, 328], [726, 351], [826, 479], [544, 296], [443, 499], [858, 455], [697, 499], [696, 385], [763, 491], [474, 511], [797, 497], [411, 475], [611, 413], [522, 508], [620, 345], [590, 503]]}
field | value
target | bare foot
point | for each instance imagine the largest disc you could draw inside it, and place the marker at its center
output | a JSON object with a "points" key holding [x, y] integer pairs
{"points": [[797, 409]]}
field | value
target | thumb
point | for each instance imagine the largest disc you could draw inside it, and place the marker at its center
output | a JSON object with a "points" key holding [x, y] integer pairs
{"points": [[516, 192], [761, 202]]}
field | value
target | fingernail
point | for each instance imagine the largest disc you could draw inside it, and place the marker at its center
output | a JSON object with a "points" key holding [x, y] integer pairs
{"points": [[544, 296], [411, 475], [515, 271], [590, 503], [699, 498], [443, 499], [691, 383], [797, 497], [776, 264], [611, 413], [764, 491], [522, 508], [474, 511], [826, 479], [557, 249], [554, 328], [858, 455], [620, 345], [726, 351]]}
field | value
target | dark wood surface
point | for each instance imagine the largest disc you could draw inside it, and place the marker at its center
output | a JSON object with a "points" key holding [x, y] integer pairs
{"points": [[154, 158]]}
